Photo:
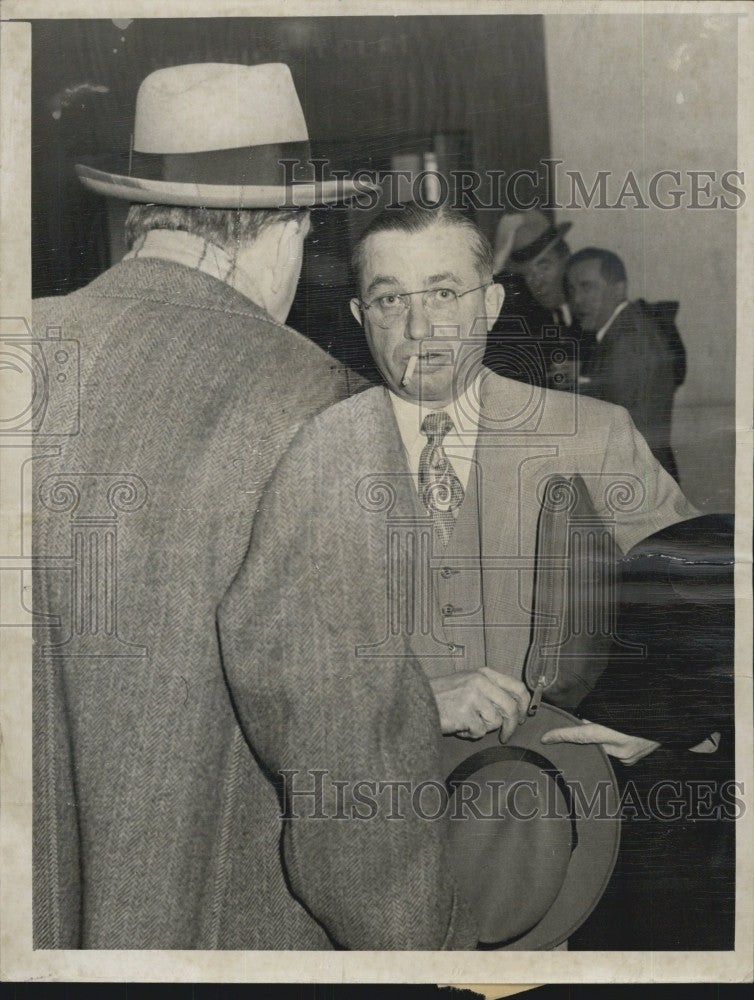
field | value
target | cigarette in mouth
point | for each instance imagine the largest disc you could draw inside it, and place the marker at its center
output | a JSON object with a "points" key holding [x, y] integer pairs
{"points": [[409, 372]]}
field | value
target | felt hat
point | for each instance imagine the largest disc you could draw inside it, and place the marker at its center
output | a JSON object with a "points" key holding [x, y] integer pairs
{"points": [[534, 831], [218, 135], [535, 234]]}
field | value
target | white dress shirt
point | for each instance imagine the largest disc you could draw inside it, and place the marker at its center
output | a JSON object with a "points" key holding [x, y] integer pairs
{"points": [[616, 312], [459, 444], [562, 315]]}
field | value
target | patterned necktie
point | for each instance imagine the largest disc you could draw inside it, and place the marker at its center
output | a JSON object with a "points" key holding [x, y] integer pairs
{"points": [[440, 488]]}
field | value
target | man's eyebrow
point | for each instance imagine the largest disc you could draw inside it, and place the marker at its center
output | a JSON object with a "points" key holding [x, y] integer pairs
{"points": [[434, 279], [380, 279]]}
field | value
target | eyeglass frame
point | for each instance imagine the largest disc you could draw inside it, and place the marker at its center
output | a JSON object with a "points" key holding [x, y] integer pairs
{"points": [[421, 291]]}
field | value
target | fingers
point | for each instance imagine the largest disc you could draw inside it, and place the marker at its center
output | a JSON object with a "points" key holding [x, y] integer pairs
{"points": [[479, 726], [472, 703], [501, 702], [627, 749], [587, 732], [513, 688]]}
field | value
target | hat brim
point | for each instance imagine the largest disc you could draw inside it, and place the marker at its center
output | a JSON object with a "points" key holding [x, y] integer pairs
{"points": [[593, 860], [145, 191], [558, 232]]}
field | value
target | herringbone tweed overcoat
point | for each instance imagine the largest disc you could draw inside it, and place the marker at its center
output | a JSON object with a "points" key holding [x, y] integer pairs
{"points": [[154, 825]]}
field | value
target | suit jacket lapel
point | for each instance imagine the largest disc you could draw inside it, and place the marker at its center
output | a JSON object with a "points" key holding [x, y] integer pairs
{"points": [[510, 412]]}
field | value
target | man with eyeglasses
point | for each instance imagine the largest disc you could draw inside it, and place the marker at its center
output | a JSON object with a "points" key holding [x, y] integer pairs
{"points": [[366, 572]]}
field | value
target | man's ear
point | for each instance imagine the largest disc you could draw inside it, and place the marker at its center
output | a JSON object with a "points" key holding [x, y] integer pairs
{"points": [[356, 311], [285, 245], [494, 296]]}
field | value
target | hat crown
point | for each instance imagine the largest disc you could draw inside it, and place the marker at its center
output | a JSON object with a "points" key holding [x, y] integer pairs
{"points": [[201, 107], [535, 224]]}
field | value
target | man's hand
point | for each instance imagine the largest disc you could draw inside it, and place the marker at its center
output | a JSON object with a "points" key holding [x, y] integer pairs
{"points": [[627, 749], [474, 702]]}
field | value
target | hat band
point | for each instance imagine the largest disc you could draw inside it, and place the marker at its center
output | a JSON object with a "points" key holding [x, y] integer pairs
{"points": [[249, 166], [535, 248], [511, 752]]}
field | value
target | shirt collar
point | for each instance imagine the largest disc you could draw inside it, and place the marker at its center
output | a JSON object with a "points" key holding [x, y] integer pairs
{"points": [[616, 312], [563, 314], [194, 252], [463, 411]]}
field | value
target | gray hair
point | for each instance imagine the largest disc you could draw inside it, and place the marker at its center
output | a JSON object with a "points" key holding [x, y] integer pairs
{"points": [[229, 228]]}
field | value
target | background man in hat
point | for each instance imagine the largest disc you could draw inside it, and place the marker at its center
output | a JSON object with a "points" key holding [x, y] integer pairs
{"points": [[530, 255], [155, 826], [417, 555], [635, 362]]}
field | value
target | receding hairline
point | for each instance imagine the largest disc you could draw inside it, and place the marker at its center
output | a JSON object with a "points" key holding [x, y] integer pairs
{"points": [[469, 229]]}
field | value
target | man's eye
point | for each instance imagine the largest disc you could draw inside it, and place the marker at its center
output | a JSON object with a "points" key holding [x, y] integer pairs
{"points": [[386, 301], [445, 294]]}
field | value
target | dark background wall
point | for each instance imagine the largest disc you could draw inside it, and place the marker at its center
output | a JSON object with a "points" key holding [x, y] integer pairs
{"points": [[618, 92], [365, 82]]}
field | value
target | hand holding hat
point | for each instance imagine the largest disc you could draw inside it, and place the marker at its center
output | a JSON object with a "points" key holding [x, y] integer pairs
{"points": [[534, 853], [474, 702]]}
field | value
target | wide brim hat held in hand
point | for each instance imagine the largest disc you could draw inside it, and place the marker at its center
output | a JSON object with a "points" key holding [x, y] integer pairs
{"points": [[218, 135], [535, 826]]}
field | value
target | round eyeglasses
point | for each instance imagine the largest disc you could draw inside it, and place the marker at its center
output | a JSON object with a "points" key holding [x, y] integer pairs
{"points": [[440, 304]]}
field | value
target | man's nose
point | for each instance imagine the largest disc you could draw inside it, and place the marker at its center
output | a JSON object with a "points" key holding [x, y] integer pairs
{"points": [[418, 326]]}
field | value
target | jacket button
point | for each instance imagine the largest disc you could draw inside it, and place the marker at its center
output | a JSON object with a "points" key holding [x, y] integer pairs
{"points": [[446, 572], [448, 609]]}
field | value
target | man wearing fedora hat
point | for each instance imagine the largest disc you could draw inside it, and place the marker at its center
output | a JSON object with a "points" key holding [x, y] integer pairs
{"points": [[419, 560], [155, 823], [530, 255]]}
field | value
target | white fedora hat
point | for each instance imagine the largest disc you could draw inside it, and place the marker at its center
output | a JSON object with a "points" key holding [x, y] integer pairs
{"points": [[218, 135]]}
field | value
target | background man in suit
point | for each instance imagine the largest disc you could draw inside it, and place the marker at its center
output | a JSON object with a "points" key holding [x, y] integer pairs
{"points": [[633, 363], [154, 824], [530, 256], [405, 518]]}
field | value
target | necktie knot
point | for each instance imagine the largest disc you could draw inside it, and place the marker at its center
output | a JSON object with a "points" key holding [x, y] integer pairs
{"points": [[436, 425]]}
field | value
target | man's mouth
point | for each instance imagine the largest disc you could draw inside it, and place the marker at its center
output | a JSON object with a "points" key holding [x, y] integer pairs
{"points": [[433, 356], [430, 359]]}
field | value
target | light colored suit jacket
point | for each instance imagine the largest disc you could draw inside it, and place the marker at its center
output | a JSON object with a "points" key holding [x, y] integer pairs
{"points": [[332, 607]]}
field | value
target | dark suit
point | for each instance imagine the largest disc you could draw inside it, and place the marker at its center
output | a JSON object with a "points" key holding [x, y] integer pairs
{"points": [[530, 343], [674, 882], [633, 366], [155, 826]]}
